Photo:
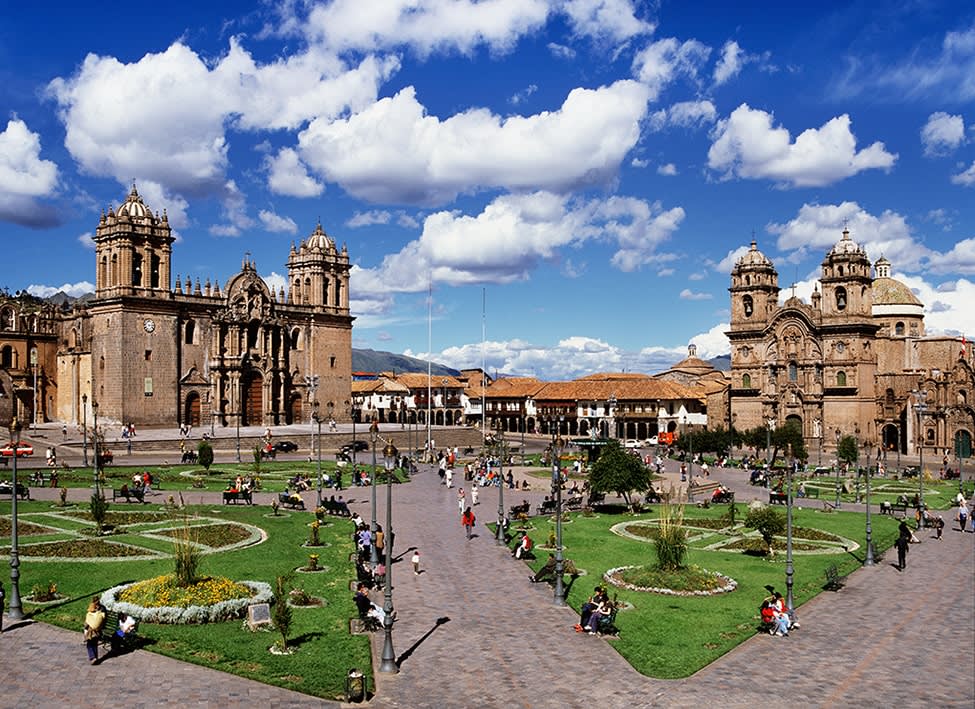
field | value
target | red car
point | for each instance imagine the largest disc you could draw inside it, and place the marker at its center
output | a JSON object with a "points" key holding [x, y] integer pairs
{"points": [[23, 450]]}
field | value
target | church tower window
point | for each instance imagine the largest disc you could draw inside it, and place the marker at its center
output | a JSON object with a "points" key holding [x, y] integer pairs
{"points": [[899, 329], [189, 332], [793, 372], [841, 298], [841, 379], [746, 381], [749, 305]]}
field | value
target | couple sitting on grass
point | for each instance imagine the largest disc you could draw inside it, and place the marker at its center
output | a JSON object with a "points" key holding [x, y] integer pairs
{"points": [[596, 612]]}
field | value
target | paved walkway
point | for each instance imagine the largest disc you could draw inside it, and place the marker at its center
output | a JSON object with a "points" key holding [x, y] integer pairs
{"points": [[887, 637]]}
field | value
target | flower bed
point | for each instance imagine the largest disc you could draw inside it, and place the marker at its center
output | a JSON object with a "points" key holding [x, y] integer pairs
{"points": [[200, 611], [692, 581], [213, 535], [78, 549]]}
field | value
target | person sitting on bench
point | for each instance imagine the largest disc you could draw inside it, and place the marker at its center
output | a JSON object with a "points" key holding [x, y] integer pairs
{"points": [[546, 572], [602, 609], [126, 626], [524, 546], [587, 609], [368, 609]]}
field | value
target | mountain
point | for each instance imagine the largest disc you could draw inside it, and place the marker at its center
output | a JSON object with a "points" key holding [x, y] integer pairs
{"points": [[722, 363], [373, 361]]}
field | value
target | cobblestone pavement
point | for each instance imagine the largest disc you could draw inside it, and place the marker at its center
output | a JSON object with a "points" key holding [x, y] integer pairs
{"points": [[472, 632]]}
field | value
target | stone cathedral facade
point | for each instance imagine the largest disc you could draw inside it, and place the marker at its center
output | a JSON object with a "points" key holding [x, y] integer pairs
{"points": [[855, 360], [157, 351]]}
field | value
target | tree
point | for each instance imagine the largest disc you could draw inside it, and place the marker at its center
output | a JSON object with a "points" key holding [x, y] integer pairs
{"points": [[204, 453], [618, 471], [788, 436], [767, 521], [282, 611], [848, 450]]}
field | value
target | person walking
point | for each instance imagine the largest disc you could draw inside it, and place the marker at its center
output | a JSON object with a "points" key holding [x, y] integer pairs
{"points": [[474, 494], [415, 560], [461, 501], [962, 515], [467, 519], [902, 543], [94, 621]]}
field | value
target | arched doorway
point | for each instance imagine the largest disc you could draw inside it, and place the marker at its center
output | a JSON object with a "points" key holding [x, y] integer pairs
{"points": [[191, 410], [253, 414], [891, 437], [963, 444], [294, 409]]}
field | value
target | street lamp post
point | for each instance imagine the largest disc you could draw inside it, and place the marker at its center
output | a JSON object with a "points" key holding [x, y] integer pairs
{"points": [[789, 570], [388, 663], [690, 458], [869, 561], [921, 407], [559, 444], [33, 366], [94, 445], [373, 554], [239, 413], [318, 448], [15, 610], [612, 415], [838, 487], [501, 450], [84, 428]]}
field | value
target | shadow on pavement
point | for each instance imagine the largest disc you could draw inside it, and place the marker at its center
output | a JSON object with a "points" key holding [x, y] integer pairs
{"points": [[406, 655]]}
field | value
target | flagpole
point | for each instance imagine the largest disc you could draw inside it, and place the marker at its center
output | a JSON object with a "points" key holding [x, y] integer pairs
{"points": [[483, 372], [429, 360]]}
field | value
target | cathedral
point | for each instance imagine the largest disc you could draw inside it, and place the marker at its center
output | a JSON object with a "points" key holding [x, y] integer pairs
{"points": [[147, 350], [854, 361]]}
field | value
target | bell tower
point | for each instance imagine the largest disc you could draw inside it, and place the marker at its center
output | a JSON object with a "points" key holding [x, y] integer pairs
{"points": [[318, 273], [846, 281], [133, 250]]}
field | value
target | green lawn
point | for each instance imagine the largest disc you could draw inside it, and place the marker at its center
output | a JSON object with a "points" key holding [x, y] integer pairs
{"points": [[674, 636], [326, 650]]}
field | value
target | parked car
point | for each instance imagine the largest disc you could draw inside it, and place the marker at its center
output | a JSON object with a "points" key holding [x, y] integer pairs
{"points": [[24, 449], [285, 446], [652, 441], [632, 443], [358, 445]]}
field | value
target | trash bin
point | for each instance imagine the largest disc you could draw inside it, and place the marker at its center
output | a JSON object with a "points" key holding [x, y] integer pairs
{"points": [[355, 686]]}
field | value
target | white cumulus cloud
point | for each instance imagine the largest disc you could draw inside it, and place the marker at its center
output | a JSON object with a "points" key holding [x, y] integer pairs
{"points": [[277, 223], [24, 176], [747, 145], [965, 177], [75, 290], [395, 152], [662, 62], [685, 114], [942, 133]]}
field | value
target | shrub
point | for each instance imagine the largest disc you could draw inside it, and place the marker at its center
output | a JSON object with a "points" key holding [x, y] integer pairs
{"points": [[204, 452], [99, 508], [41, 593], [186, 555], [671, 543], [313, 540], [282, 611], [767, 521]]}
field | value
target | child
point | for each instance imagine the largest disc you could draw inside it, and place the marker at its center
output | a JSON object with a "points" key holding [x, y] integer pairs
{"points": [[416, 562]]}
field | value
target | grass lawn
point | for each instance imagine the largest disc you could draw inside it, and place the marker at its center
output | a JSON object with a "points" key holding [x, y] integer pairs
{"points": [[674, 636], [326, 650]]}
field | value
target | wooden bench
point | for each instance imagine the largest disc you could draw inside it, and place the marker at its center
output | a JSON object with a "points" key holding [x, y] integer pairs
{"points": [[189, 457], [23, 491], [702, 489], [235, 496], [897, 509], [334, 507], [286, 500], [109, 628], [596, 498], [834, 581], [523, 509], [574, 503], [777, 498], [129, 494], [546, 507], [812, 492]]}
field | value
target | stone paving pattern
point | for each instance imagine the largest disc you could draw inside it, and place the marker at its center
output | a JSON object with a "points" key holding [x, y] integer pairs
{"points": [[885, 638]]}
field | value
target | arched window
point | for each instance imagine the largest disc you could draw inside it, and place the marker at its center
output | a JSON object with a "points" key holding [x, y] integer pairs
{"points": [[793, 372], [748, 305], [841, 379], [137, 269], [189, 331], [889, 396], [7, 357], [296, 338], [841, 298], [748, 280], [746, 381], [7, 319], [899, 329]]}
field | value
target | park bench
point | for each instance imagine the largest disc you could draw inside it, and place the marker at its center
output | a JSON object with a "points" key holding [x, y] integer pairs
{"points": [[285, 499], [235, 496], [777, 498], [23, 491], [821, 471], [189, 457], [546, 507], [574, 503], [523, 509], [834, 581], [109, 628], [652, 496], [129, 494], [334, 507], [702, 489], [596, 498]]}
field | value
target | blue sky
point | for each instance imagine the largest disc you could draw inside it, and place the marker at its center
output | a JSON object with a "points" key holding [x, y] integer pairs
{"points": [[593, 166]]}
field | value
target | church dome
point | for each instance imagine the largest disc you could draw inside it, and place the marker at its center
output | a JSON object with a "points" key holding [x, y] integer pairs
{"points": [[133, 207], [753, 257], [319, 240], [846, 245], [889, 291]]}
